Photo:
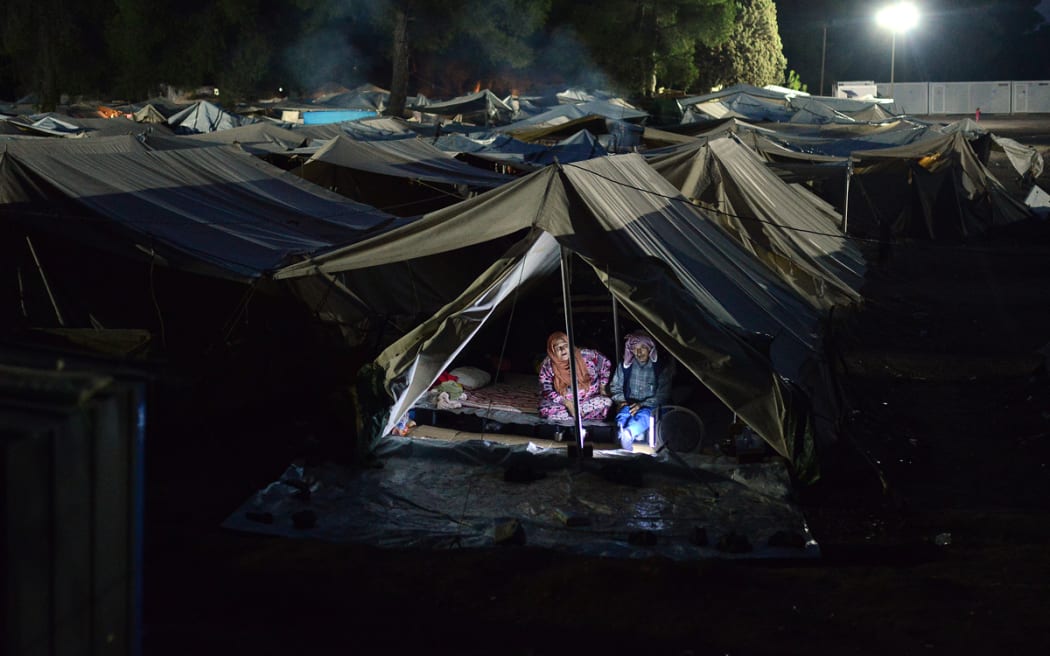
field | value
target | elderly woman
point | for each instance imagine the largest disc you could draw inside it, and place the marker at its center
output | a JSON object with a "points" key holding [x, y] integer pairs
{"points": [[592, 377]]}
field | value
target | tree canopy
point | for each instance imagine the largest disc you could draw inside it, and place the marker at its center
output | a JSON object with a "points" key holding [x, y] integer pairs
{"points": [[751, 55], [250, 48]]}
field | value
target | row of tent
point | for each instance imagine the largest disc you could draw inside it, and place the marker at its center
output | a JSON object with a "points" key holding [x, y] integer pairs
{"points": [[724, 239]]}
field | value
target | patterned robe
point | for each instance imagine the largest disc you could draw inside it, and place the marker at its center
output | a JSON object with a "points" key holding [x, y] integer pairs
{"points": [[593, 405]]}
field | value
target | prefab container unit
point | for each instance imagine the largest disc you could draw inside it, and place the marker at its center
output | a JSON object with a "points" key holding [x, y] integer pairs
{"points": [[71, 455], [854, 89], [908, 97], [1031, 97], [967, 97]]}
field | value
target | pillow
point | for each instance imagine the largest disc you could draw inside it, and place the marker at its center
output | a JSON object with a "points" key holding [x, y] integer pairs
{"points": [[471, 377]]}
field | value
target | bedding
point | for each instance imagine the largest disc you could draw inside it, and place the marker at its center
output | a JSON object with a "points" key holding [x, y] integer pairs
{"points": [[471, 377], [512, 399]]}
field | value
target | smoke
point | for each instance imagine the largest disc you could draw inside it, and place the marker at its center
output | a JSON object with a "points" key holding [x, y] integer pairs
{"points": [[325, 57]]}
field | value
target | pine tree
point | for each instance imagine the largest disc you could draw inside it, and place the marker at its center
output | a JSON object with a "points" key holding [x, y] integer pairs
{"points": [[752, 55]]}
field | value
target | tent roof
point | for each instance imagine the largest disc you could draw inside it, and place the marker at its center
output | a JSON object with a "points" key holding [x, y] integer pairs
{"points": [[213, 210], [679, 275], [256, 138], [794, 233], [404, 158], [203, 116], [481, 101]]}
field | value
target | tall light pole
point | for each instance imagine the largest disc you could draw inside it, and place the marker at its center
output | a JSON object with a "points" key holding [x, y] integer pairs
{"points": [[823, 59], [898, 17]]}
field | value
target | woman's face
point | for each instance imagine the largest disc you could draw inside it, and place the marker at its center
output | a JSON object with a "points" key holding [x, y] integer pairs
{"points": [[561, 350]]}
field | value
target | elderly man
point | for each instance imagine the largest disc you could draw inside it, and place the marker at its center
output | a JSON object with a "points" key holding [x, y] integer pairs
{"points": [[639, 386]]}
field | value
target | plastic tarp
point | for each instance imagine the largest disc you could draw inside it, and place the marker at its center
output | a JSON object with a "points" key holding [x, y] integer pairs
{"points": [[214, 210], [695, 289], [438, 495], [321, 117]]}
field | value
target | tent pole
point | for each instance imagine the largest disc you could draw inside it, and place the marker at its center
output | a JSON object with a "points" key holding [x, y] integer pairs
{"points": [[567, 305], [47, 287], [845, 202], [616, 324]]}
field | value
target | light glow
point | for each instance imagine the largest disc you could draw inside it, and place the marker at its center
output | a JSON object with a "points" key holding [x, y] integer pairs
{"points": [[899, 17]]}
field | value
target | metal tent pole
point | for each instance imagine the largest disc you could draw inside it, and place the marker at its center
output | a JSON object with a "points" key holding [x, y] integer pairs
{"points": [[845, 202], [567, 304]]}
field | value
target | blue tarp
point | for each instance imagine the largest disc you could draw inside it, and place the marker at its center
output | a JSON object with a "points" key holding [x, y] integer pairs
{"points": [[336, 116]]}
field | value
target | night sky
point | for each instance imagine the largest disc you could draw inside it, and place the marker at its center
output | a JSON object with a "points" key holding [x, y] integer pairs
{"points": [[955, 40]]}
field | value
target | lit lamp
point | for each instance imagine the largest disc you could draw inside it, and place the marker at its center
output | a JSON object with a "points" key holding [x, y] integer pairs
{"points": [[898, 17]]}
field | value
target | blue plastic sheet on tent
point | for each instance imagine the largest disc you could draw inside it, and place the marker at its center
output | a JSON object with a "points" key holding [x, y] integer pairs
{"points": [[336, 116]]}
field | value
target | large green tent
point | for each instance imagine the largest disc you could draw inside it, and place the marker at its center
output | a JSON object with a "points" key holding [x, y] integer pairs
{"points": [[713, 306]]}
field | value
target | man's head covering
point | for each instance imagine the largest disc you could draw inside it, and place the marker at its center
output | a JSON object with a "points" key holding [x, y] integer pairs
{"points": [[634, 339], [562, 372]]}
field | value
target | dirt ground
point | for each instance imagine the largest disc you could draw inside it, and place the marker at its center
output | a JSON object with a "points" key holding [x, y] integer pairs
{"points": [[932, 515]]}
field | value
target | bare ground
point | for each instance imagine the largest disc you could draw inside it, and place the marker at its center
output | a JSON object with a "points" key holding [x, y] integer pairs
{"points": [[932, 515]]}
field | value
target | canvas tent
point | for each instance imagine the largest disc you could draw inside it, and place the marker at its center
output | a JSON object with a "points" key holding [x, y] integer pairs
{"points": [[778, 105], [408, 175], [482, 104], [717, 310], [203, 116], [214, 211], [790, 229], [256, 138], [109, 246], [935, 189], [1026, 160]]}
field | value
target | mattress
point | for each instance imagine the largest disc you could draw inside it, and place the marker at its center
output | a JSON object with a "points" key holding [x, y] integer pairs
{"points": [[512, 399]]}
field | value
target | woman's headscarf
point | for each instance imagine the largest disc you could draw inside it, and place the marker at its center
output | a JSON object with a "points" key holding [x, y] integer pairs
{"points": [[562, 372], [634, 339]]}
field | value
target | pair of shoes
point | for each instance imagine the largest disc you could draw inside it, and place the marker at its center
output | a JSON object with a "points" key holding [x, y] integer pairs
{"points": [[626, 440]]}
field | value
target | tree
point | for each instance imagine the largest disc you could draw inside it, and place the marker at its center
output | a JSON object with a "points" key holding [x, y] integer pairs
{"points": [[794, 82], [649, 43], [490, 34], [135, 35], [752, 55], [55, 46]]}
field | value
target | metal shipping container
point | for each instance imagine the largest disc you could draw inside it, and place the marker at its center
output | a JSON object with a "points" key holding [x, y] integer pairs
{"points": [[71, 453]]}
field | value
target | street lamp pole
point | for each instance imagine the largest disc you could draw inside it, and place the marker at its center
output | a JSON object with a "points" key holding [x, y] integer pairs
{"points": [[823, 59], [893, 56], [898, 17]]}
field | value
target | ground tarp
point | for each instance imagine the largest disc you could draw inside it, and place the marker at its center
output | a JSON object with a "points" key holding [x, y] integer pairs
{"points": [[432, 494]]}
